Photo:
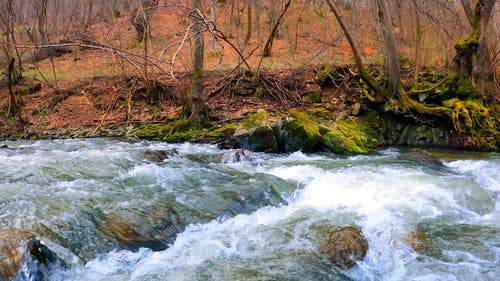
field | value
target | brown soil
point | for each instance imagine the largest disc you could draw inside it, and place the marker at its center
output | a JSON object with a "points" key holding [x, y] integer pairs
{"points": [[98, 106]]}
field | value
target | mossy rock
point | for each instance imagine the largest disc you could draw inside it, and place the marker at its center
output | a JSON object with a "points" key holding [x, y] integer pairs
{"points": [[149, 132], [314, 97], [179, 131], [348, 137], [297, 132], [256, 134]]}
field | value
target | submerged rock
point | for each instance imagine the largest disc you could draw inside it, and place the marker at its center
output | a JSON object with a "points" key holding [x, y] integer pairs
{"points": [[256, 134], [423, 156], [133, 231], [23, 256], [418, 241], [344, 246], [158, 155]]}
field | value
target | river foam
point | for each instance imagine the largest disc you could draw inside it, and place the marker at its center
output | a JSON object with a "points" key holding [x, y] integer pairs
{"points": [[388, 195]]}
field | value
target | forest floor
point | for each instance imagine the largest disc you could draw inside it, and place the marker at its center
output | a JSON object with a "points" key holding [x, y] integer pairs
{"points": [[90, 92], [87, 90], [109, 105]]}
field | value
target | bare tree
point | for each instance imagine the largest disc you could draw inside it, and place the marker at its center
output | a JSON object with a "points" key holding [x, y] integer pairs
{"points": [[357, 54], [7, 28], [195, 95], [249, 22], [41, 15], [10, 52], [269, 43], [141, 15], [213, 23], [391, 48], [418, 39]]}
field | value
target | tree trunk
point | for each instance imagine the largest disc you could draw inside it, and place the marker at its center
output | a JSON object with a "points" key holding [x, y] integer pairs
{"points": [[213, 23], [269, 44], [89, 15], [466, 49], [418, 40], [258, 25], [41, 12], [195, 97], [357, 55], [391, 48], [467, 9], [473, 62], [249, 23], [484, 70], [14, 109]]}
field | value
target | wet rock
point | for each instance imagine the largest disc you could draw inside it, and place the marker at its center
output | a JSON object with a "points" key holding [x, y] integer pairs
{"points": [[23, 256], [133, 231], [418, 241], [158, 155], [240, 155], [344, 246], [256, 134], [297, 132], [422, 155]]}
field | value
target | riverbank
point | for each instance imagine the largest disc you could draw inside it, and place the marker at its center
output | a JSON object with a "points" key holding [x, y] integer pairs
{"points": [[325, 102]]}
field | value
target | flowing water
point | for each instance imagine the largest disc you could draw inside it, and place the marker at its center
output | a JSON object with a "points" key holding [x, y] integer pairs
{"points": [[213, 218]]}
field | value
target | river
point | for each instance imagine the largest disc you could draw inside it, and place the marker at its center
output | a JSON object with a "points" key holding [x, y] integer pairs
{"points": [[215, 218]]}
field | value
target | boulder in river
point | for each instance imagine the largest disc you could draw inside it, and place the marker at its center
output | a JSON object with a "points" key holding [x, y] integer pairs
{"points": [[297, 132], [418, 241], [348, 137], [22, 255], [256, 134], [132, 231], [344, 246], [158, 155]]}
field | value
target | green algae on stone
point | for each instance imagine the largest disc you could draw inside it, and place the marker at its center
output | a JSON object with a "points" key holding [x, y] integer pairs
{"points": [[256, 134], [297, 132], [348, 137], [175, 131]]}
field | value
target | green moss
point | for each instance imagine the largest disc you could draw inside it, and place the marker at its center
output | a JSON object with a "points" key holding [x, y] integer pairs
{"points": [[325, 76], [474, 119], [314, 97], [181, 131], [296, 132], [405, 63], [349, 137], [320, 112], [218, 132], [467, 43], [256, 134], [261, 118], [150, 132], [303, 126], [456, 86]]}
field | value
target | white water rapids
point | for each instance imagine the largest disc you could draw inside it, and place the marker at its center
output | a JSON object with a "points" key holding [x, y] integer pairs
{"points": [[257, 219]]}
